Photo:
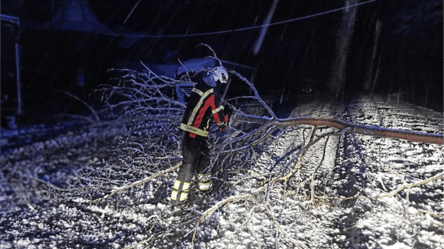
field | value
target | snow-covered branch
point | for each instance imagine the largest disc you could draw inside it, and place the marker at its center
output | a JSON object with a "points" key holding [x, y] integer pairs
{"points": [[354, 128]]}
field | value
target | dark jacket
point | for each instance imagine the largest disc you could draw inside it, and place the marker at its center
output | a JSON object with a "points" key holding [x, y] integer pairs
{"points": [[203, 106]]}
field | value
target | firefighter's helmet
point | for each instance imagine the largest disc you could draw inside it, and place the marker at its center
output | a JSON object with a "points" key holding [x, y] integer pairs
{"points": [[219, 74]]}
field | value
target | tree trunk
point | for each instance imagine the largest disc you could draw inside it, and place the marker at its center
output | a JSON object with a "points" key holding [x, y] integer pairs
{"points": [[427, 93], [376, 76], [427, 82], [402, 84], [344, 35], [350, 128], [370, 72]]}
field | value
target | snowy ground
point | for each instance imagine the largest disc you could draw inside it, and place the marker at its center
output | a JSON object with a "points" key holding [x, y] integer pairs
{"points": [[48, 187]]}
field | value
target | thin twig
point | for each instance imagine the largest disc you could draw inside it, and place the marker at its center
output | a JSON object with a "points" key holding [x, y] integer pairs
{"points": [[280, 228], [90, 108]]}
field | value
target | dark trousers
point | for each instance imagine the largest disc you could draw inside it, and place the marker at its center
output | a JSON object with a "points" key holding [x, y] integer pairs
{"points": [[195, 153]]}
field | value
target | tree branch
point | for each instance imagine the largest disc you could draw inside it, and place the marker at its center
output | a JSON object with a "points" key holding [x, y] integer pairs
{"points": [[359, 129], [138, 183]]}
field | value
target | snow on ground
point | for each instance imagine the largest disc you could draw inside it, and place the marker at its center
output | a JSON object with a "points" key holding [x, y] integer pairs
{"points": [[46, 187]]}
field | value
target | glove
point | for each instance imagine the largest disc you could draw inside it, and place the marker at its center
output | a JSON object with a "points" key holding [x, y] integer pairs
{"points": [[222, 126], [227, 120]]}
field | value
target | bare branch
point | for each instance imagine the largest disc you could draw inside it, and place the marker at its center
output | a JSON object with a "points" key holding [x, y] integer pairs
{"points": [[409, 186], [89, 107], [139, 183]]}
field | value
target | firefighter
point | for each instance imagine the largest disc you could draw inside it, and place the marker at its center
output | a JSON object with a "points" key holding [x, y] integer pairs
{"points": [[204, 105]]}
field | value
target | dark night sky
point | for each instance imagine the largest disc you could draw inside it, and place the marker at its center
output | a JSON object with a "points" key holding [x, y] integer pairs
{"points": [[292, 55]]}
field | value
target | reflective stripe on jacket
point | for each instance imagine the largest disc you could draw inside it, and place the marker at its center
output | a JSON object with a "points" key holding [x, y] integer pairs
{"points": [[203, 105]]}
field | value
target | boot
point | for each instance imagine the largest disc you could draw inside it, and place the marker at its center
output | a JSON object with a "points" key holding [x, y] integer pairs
{"points": [[205, 182], [180, 192]]}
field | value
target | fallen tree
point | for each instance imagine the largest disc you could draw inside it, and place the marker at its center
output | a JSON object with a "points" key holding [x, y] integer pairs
{"points": [[240, 142]]}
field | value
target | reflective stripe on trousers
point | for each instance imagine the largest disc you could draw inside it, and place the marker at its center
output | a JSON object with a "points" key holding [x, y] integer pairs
{"points": [[204, 181], [180, 191]]}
